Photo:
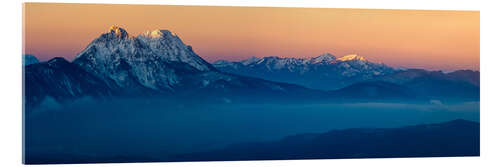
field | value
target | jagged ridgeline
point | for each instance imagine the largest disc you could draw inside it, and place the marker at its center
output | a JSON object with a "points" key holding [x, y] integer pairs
{"points": [[323, 72], [154, 63], [159, 63]]}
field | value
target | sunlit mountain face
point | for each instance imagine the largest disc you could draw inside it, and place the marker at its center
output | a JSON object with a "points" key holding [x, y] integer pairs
{"points": [[247, 83], [432, 40]]}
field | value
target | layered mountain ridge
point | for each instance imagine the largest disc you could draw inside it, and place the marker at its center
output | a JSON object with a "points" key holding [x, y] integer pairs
{"points": [[355, 77], [159, 63], [426, 140]]}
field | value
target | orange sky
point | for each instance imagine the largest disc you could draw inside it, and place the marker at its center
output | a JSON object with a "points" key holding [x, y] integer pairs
{"points": [[444, 40]]}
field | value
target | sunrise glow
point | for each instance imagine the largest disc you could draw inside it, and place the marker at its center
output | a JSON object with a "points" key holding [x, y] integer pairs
{"points": [[437, 40]]}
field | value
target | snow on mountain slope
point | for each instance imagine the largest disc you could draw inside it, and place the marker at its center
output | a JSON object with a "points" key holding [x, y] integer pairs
{"points": [[351, 57], [322, 72], [325, 58], [148, 61], [155, 63]]}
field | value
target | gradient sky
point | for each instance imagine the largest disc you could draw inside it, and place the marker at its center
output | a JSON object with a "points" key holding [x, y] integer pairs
{"points": [[436, 40]]}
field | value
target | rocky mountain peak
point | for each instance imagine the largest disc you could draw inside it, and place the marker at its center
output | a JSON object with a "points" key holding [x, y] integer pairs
{"points": [[118, 31], [351, 57], [324, 58]]}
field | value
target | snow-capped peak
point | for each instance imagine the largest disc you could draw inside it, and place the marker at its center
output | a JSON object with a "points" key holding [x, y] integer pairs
{"points": [[118, 31], [326, 55], [149, 60], [158, 33], [323, 58], [250, 60], [351, 57]]}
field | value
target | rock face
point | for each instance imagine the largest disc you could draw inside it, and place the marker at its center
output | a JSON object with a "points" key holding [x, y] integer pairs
{"points": [[322, 72], [150, 61]]}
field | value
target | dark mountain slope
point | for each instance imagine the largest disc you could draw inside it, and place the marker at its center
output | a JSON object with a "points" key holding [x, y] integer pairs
{"points": [[454, 138], [375, 91], [459, 85], [60, 80]]}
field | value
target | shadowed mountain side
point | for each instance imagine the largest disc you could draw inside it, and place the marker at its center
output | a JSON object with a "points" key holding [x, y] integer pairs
{"points": [[454, 138], [375, 91], [466, 75], [248, 90], [59, 80], [64, 82], [458, 85], [29, 59]]}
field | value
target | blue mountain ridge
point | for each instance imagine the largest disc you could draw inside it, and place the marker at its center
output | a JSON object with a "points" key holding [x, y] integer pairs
{"points": [[453, 138]]}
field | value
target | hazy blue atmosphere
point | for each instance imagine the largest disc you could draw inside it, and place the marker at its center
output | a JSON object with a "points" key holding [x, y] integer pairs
{"points": [[141, 129], [151, 97]]}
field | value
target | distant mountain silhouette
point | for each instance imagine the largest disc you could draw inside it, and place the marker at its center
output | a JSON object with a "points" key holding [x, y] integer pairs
{"points": [[458, 85], [29, 59], [453, 138], [466, 75], [375, 91]]}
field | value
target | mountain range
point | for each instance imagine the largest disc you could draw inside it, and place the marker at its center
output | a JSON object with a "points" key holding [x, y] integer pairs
{"points": [[154, 99], [322, 72], [354, 75], [158, 63], [155, 63], [453, 138], [457, 85]]}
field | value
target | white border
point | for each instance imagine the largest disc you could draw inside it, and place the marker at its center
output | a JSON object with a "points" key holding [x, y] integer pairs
{"points": [[10, 74]]}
